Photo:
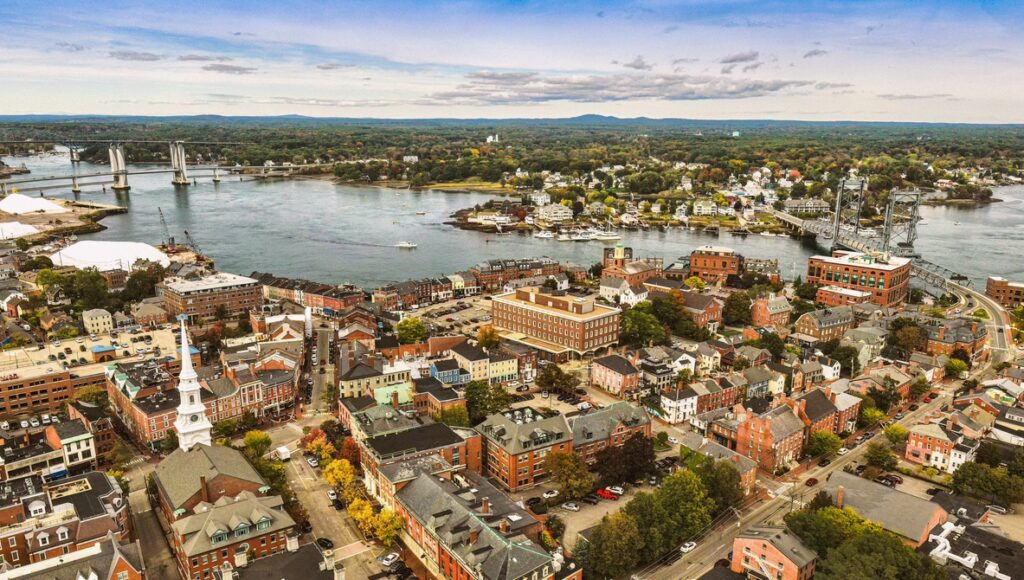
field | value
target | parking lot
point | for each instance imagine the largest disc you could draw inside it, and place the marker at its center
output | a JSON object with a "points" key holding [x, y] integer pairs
{"points": [[463, 316]]}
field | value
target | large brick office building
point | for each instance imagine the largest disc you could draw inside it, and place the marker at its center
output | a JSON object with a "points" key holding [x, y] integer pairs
{"points": [[715, 263], [556, 322], [887, 279], [202, 298]]}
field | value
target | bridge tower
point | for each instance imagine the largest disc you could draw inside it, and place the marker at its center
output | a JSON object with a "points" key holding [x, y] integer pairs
{"points": [[75, 152], [901, 216], [178, 163], [118, 167], [849, 198]]}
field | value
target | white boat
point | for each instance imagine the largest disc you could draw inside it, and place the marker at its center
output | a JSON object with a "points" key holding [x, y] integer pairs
{"points": [[544, 234], [564, 237], [421, 213], [405, 245], [607, 236], [584, 236]]}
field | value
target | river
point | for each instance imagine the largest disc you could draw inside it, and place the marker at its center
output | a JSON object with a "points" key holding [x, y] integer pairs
{"points": [[343, 233]]}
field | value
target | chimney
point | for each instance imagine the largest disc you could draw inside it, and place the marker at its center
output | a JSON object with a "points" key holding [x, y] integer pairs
{"points": [[473, 535], [485, 506], [503, 526], [328, 559], [394, 400], [204, 492], [735, 458], [339, 571], [942, 332], [840, 495]]}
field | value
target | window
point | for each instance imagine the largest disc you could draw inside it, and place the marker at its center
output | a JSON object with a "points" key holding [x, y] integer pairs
{"points": [[62, 534]]}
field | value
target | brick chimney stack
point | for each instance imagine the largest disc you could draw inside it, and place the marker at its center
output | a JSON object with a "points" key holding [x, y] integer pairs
{"points": [[485, 506], [840, 495], [204, 492], [473, 535], [503, 526], [394, 400]]}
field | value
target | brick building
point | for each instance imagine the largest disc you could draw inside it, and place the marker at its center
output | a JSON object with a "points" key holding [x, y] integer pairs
{"points": [[555, 322], [774, 548], [618, 263], [611, 426], [108, 559], [615, 374], [1009, 294], [493, 274], [231, 294], [774, 439], [97, 422], [826, 324], [516, 443], [838, 296], [771, 311], [322, 298], [714, 264], [888, 280]]}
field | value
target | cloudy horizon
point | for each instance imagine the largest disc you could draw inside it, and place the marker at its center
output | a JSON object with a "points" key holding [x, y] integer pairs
{"points": [[939, 61]]}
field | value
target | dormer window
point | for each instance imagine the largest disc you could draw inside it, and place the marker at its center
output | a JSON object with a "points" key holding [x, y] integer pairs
{"points": [[36, 508], [220, 537], [241, 531], [62, 534], [43, 539]]}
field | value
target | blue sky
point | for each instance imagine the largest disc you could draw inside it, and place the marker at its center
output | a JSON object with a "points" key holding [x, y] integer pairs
{"points": [[860, 60]]}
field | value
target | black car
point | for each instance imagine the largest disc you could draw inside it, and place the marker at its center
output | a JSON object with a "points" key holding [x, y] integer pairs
{"points": [[591, 499], [338, 504], [933, 491], [325, 543], [824, 462], [531, 502], [860, 469], [581, 392], [306, 527]]}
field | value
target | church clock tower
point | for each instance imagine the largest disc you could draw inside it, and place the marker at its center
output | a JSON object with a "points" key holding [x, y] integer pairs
{"points": [[192, 425]]}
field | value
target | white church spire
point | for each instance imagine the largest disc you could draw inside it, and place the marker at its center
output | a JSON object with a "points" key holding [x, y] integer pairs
{"points": [[192, 424]]}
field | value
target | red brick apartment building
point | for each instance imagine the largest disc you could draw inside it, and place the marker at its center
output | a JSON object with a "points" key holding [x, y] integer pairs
{"points": [[516, 443], [201, 299], [555, 322], [611, 426], [773, 548], [887, 279], [839, 296], [1009, 294], [715, 263]]}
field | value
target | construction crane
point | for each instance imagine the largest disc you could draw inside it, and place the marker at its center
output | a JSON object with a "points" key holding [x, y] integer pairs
{"points": [[193, 245], [169, 246]]}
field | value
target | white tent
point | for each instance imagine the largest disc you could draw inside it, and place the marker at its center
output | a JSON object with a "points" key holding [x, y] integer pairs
{"points": [[17, 204], [108, 255], [11, 230]]}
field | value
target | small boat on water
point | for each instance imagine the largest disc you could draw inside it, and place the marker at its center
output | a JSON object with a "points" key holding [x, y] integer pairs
{"points": [[421, 213], [564, 237], [544, 235], [607, 236], [584, 236], [404, 245]]}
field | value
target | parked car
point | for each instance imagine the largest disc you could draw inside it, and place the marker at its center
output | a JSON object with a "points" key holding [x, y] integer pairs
{"points": [[571, 506], [914, 407], [842, 451], [616, 490], [338, 505], [550, 494], [544, 394], [933, 490], [306, 527], [860, 469], [673, 441], [604, 493], [332, 495], [591, 499], [997, 509], [24, 424], [885, 481], [325, 543], [894, 478], [5, 425], [388, 559], [312, 461], [34, 422], [811, 482], [687, 547], [522, 388], [824, 462]]}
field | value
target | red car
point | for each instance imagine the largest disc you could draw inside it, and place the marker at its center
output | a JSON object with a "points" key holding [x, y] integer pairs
{"points": [[604, 493]]}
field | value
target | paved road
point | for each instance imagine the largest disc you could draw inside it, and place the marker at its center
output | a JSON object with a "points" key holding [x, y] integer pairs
{"points": [[335, 525], [160, 561], [1000, 332]]}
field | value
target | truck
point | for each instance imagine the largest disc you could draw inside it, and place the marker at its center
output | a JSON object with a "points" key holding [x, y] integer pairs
{"points": [[282, 453]]}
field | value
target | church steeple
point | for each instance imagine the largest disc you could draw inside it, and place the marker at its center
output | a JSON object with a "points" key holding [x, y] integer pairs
{"points": [[192, 424]]}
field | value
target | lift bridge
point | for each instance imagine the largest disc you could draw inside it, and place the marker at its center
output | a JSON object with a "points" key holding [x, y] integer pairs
{"points": [[897, 238]]}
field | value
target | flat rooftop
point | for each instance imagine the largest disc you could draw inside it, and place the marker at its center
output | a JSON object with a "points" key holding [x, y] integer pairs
{"points": [[599, 311], [30, 362], [216, 281], [863, 260], [845, 291]]}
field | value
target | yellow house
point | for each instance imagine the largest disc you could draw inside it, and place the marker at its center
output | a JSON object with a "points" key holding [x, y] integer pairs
{"points": [[502, 367], [473, 359]]}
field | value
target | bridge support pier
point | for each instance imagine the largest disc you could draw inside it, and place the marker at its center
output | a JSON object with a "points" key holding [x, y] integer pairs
{"points": [[216, 175], [118, 168], [178, 163], [76, 155], [75, 188]]}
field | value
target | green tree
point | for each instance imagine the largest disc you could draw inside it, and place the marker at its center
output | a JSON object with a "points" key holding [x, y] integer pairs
{"points": [[1016, 466], [722, 482], [478, 402], [991, 484], [824, 443], [896, 434], [686, 504], [613, 546], [871, 416], [880, 456], [453, 417], [736, 311], [650, 517], [256, 444], [989, 454], [695, 283], [955, 368], [877, 554], [555, 525], [919, 387], [553, 379], [225, 428], [570, 472], [170, 441], [632, 459], [826, 529], [90, 288], [411, 330], [640, 328]]}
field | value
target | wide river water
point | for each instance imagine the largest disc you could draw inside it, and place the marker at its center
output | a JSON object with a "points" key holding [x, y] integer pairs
{"points": [[342, 233]]}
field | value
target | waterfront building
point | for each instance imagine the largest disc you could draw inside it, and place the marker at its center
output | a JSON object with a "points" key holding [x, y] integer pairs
{"points": [[554, 213], [325, 299], [219, 294], [555, 322], [714, 264], [886, 278], [618, 262], [838, 296], [1009, 294], [807, 205]]}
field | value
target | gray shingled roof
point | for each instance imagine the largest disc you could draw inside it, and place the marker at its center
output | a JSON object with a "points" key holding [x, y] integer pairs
{"points": [[452, 521], [228, 514], [898, 512], [617, 363], [784, 541], [600, 423], [515, 438], [708, 448], [178, 474], [784, 422]]}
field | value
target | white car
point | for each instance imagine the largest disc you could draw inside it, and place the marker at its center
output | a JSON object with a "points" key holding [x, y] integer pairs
{"points": [[34, 422], [616, 490], [571, 506], [673, 441], [843, 451], [388, 560], [544, 394], [550, 494], [332, 495], [312, 461], [688, 547]]}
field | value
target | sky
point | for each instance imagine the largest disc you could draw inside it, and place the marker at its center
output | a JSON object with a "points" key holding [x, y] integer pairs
{"points": [[928, 61]]}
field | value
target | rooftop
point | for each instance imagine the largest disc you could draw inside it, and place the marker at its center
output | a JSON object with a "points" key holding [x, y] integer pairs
{"points": [[178, 474], [898, 512], [783, 540], [864, 260], [415, 440], [216, 281], [525, 429]]}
